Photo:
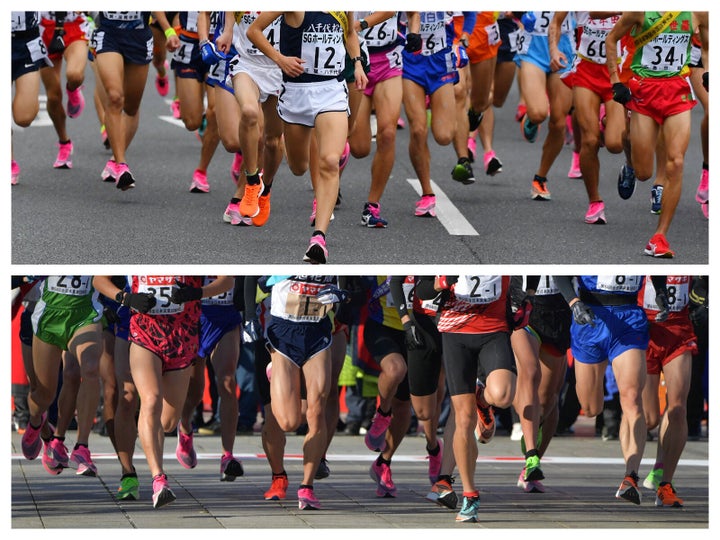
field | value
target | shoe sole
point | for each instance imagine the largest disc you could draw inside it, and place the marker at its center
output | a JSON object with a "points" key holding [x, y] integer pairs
{"points": [[448, 500], [668, 255], [198, 189], [375, 447], [231, 473], [534, 476], [631, 495], [128, 497], [382, 491], [164, 498], [67, 165]]}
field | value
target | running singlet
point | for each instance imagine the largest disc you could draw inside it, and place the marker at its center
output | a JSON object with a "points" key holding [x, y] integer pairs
{"points": [[678, 296], [627, 285], [162, 287], [381, 306], [319, 41], [295, 298], [70, 292], [189, 23], [546, 287], [477, 305], [593, 32], [125, 20], [668, 53], [542, 23], [245, 47]]}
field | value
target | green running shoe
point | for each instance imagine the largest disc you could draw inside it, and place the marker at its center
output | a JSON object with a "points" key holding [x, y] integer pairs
{"points": [[129, 489]]}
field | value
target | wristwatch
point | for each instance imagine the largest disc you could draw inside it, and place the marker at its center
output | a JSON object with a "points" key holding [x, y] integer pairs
{"points": [[363, 24]]}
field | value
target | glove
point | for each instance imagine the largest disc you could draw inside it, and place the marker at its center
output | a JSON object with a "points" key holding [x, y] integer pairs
{"points": [[462, 57], [140, 302], [210, 54], [528, 21], [705, 77], [663, 306], [621, 93], [251, 331], [582, 314], [521, 313], [413, 43], [413, 337], [331, 294], [699, 306], [111, 316], [185, 293]]}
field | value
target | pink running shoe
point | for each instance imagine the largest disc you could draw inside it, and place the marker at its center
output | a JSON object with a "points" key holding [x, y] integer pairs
{"points": [[233, 217], [162, 494], [400, 123], [596, 213], [230, 468], [199, 182], [75, 102], [63, 160], [314, 213], [529, 486], [81, 457], [124, 179], [307, 500], [55, 457], [383, 477], [185, 453], [345, 157], [575, 171], [109, 173], [705, 209], [375, 436], [472, 148], [492, 164], [701, 195], [104, 137], [175, 108], [425, 207], [31, 442], [236, 167], [435, 462], [162, 84], [14, 173], [569, 135], [317, 252]]}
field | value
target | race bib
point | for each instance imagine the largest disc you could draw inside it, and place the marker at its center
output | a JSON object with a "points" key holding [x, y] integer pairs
{"points": [[592, 44], [382, 34], [162, 287], [493, 33], [323, 53], [69, 285], [183, 54], [678, 294], [37, 49], [223, 299], [394, 58], [616, 284], [122, 15], [667, 52], [478, 289], [546, 287], [522, 44]]}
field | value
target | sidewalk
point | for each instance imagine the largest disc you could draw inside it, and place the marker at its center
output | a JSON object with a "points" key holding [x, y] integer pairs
{"points": [[582, 475]]}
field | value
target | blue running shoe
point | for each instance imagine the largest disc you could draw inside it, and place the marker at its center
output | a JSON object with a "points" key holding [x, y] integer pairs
{"points": [[469, 511], [626, 182], [529, 130], [656, 199], [371, 216]]}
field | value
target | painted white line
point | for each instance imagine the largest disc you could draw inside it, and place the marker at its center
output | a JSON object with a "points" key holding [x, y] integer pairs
{"points": [[448, 214], [172, 120]]}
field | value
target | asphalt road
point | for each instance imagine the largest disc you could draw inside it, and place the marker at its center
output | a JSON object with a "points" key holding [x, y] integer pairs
{"points": [[72, 217]]}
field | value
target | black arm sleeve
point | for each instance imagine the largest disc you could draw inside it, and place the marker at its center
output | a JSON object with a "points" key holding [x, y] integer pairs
{"points": [[249, 292], [660, 284], [565, 285], [425, 287], [239, 293], [398, 294]]}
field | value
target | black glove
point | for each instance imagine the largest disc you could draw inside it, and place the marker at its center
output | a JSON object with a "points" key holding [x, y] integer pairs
{"points": [[582, 314], [621, 93], [705, 81], [140, 302], [413, 337], [699, 305], [185, 293], [413, 43], [663, 307], [251, 331]]}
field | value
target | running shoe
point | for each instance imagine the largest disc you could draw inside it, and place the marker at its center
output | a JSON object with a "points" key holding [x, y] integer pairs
{"points": [[443, 494], [314, 213], [569, 134], [175, 108], [14, 173], [307, 499], [199, 182], [233, 217], [31, 442], [278, 488], [656, 199], [626, 182], [472, 148], [652, 480], [529, 486], [104, 137], [264, 213], [162, 83], [602, 120], [249, 204], [230, 468], [658, 247], [539, 190], [474, 119], [162, 494], [463, 173], [435, 463], [344, 157], [203, 127], [701, 195], [63, 160], [383, 477], [425, 207], [323, 471], [81, 457], [575, 171], [629, 491], [400, 123], [109, 173], [529, 130], [317, 252], [492, 164], [469, 511], [371, 216], [596, 213], [667, 496], [375, 436], [124, 179], [129, 489], [532, 469], [520, 112], [338, 201], [705, 209], [236, 166], [75, 102], [485, 428], [516, 434], [55, 456], [185, 452]]}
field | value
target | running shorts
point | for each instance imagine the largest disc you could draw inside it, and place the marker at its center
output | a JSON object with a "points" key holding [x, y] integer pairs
{"points": [[424, 363], [219, 76], [537, 52], [28, 53], [72, 32], [509, 30], [172, 338], [298, 342], [267, 78], [300, 103], [669, 340], [135, 46], [187, 60], [58, 326], [485, 39], [430, 72], [468, 357], [215, 322], [384, 65], [551, 322], [590, 75], [660, 98]]}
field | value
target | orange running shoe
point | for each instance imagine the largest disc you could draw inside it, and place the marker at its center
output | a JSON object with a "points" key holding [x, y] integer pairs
{"points": [[667, 496], [278, 488]]}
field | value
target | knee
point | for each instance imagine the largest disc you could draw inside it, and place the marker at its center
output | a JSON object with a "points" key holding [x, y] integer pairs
{"points": [[24, 118], [249, 115], [395, 369], [385, 137], [500, 396], [115, 100]]}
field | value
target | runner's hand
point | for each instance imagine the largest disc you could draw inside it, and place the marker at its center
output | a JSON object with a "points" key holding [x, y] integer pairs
{"points": [[582, 313], [140, 302], [185, 293], [621, 93]]}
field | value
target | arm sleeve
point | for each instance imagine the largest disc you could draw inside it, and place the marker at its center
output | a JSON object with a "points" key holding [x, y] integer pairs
{"points": [[398, 294], [660, 283], [425, 287], [249, 292], [565, 285], [469, 21]]}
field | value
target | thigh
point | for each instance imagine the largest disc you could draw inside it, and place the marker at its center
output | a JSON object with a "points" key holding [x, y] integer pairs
{"points": [[225, 356], [135, 78], [331, 129]]}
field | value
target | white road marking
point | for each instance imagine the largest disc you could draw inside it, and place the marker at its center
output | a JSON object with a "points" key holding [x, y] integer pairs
{"points": [[448, 214], [172, 120]]}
